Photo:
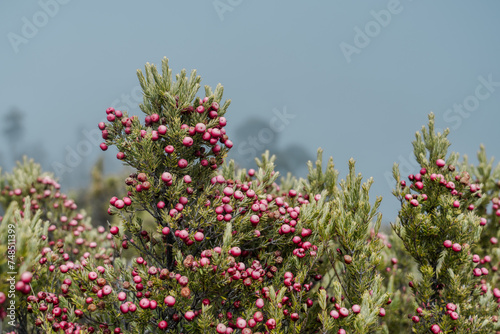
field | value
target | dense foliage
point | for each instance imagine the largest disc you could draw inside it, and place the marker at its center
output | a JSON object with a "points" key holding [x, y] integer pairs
{"points": [[193, 244]]}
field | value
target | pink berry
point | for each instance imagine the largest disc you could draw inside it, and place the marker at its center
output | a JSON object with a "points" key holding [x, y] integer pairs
{"points": [[124, 308], [285, 228], [114, 230], [254, 219], [26, 277], [221, 329], [241, 323], [198, 236], [166, 177], [440, 163], [162, 324], [144, 303], [259, 303], [334, 314], [187, 141], [182, 163], [381, 313], [183, 234], [456, 204], [344, 312], [103, 146], [170, 301], [435, 329], [169, 149], [122, 296], [162, 129], [271, 323], [235, 251], [456, 247], [447, 243], [189, 315], [119, 204], [356, 308], [200, 128]]}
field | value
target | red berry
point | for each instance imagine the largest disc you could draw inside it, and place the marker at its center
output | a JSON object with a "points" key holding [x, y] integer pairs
{"points": [[271, 323], [344, 312], [169, 149], [162, 324], [26, 277], [435, 329], [221, 329], [170, 301], [182, 163], [235, 251], [199, 236], [456, 247], [381, 313], [189, 315]]}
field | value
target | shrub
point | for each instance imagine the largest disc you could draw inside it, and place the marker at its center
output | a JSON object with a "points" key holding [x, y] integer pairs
{"points": [[196, 245]]}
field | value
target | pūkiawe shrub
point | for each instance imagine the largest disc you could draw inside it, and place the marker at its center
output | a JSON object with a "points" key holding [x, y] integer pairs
{"points": [[196, 245]]}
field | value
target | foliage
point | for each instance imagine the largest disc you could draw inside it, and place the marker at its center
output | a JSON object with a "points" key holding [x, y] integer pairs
{"points": [[192, 244]]}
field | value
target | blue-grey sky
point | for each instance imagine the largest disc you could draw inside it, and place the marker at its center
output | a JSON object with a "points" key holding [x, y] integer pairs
{"points": [[355, 78]]}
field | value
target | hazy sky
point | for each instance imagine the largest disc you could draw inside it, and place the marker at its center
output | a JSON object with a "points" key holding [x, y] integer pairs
{"points": [[355, 78]]}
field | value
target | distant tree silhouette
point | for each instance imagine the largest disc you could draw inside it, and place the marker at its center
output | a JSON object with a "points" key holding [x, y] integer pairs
{"points": [[13, 131], [255, 135]]}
